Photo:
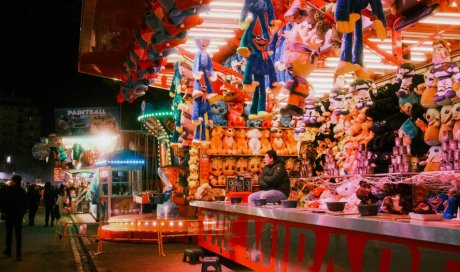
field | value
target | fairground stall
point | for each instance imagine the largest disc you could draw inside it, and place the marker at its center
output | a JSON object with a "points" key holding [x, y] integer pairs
{"points": [[360, 99]]}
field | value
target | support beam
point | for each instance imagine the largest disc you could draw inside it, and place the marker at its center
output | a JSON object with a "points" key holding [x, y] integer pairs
{"points": [[377, 50]]}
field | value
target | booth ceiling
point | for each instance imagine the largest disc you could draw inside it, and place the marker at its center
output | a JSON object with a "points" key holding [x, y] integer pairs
{"points": [[110, 27]]}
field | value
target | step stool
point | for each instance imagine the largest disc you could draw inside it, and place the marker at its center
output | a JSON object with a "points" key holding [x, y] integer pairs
{"points": [[194, 255], [212, 261]]}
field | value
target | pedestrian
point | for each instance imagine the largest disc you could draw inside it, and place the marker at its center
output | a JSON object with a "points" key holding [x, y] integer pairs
{"points": [[274, 180], [33, 201], [14, 206], [49, 197]]}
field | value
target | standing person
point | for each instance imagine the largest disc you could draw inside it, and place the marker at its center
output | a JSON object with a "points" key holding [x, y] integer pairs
{"points": [[50, 200], [33, 200], [274, 180], [13, 209]]}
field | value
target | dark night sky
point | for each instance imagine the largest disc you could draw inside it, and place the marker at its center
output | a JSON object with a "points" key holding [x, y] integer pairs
{"points": [[40, 41]]}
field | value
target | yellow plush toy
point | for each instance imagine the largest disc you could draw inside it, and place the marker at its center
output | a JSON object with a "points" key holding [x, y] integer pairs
{"points": [[447, 124], [277, 142], [216, 171], [241, 166], [216, 140], [254, 169], [433, 117], [241, 142]]}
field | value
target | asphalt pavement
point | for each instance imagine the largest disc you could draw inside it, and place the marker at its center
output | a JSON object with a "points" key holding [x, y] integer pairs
{"points": [[43, 251]]}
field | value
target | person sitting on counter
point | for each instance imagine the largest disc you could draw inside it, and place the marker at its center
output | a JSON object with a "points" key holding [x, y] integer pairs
{"points": [[274, 180]]}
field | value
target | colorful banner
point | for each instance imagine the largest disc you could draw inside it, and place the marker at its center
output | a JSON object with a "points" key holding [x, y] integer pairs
{"points": [[85, 121]]}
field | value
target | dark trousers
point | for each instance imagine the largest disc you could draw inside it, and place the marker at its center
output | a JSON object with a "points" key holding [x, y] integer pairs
{"points": [[32, 213], [15, 223], [49, 212]]}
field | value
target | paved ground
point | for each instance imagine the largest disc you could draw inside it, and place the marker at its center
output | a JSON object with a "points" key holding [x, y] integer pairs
{"points": [[42, 252]]}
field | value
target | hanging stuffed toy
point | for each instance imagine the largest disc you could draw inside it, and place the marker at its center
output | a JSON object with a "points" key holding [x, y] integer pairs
{"points": [[300, 60], [186, 128], [174, 91], [202, 117], [202, 67], [348, 18], [445, 71], [261, 10], [258, 65]]}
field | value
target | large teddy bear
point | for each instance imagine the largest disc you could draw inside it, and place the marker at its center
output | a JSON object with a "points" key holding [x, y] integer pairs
{"points": [[216, 140], [241, 142]]}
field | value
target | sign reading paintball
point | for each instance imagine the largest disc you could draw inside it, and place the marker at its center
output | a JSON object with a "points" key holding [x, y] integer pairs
{"points": [[86, 121]]}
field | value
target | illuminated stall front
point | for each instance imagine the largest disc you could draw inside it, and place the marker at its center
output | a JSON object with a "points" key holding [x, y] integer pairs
{"points": [[117, 176]]}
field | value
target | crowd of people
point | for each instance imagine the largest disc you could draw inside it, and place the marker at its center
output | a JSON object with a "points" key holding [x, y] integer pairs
{"points": [[17, 199]]}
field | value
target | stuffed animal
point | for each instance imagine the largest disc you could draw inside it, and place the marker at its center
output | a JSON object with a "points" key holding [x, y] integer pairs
{"points": [[300, 58], [444, 71], [291, 144], [436, 202], [447, 124], [361, 88], [235, 111], [348, 21], [433, 161], [265, 141], [258, 65], [241, 166], [241, 142], [254, 142], [216, 170], [404, 75], [346, 192], [451, 205], [229, 166], [228, 142], [216, 140], [348, 161], [456, 119], [261, 10], [219, 111], [277, 142], [186, 128], [254, 169], [202, 68], [202, 117], [203, 193], [432, 132], [397, 199]]}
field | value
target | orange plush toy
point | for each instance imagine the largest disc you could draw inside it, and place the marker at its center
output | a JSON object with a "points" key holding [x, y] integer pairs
{"points": [[228, 142], [276, 139], [291, 144], [265, 141], [216, 140], [235, 112], [241, 142]]}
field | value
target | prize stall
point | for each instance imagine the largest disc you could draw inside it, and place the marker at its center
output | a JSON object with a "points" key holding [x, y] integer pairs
{"points": [[117, 176], [360, 99]]}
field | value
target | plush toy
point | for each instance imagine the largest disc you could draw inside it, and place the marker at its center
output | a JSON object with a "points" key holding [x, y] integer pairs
{"points": [[433, 161], [219, 111], [258, 65], [254, 169], [261, 10], [404, 75], [361, 88], [241, 142], [229, 166], [186, 128], [174, 92], [348, 20], [202, 117], [228, 142], [432, 132], [447, 124], [254, 144], [346, 192], [204, 193], [216, 140], [216, 169], [265, 141], [451, 205], [235, 111], [241, 166], [202, 68], [300, 58], [444, 71], [291, 145], [397, 199], [277, 142], [456, 120], [436, 202]]}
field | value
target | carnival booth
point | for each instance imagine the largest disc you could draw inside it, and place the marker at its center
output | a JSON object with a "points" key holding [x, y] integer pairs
{"points": [[116, 177], [360, 99]]}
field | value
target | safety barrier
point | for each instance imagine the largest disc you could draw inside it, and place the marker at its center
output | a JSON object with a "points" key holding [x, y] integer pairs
{"points": [[132, 230]]}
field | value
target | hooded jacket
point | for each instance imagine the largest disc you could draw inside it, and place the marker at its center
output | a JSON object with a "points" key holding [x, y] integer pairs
{"points": [[275, 177]]}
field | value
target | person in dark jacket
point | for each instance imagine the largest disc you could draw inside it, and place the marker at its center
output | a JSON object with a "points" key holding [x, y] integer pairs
{"points": [[33, 200], [274, 180], [14, 206], [50, 200]]}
